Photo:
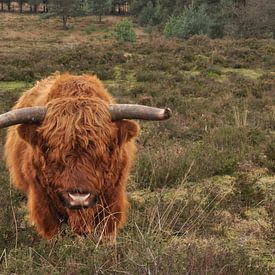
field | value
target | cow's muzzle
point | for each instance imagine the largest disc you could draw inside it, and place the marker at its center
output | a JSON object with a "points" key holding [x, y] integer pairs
{"points": [[76, 200]]}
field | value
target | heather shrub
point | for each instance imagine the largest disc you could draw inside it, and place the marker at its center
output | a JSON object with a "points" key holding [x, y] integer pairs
{"points": [[143, 76], [220, 152]]}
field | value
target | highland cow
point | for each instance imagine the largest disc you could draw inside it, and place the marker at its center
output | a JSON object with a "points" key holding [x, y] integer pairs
{"points": [[70, 148]]}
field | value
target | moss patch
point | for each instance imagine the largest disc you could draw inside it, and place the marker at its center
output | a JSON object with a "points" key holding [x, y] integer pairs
{"points": [[12, 85], [249, 73]]}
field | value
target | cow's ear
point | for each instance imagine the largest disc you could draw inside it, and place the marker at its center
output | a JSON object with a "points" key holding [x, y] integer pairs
{"points": [[29, 133], [127, 129]]}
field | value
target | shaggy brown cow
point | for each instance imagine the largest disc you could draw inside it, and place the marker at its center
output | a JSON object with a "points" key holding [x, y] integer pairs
{"points": [[73, 162]]}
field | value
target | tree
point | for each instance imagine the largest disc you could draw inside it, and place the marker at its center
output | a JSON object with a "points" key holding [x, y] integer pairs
{"points": [[62, 8], [8, 2], [150, 15], [20, 2], [34, 5], [100, 7], [45, 5], [250, 18], [65, 9]]}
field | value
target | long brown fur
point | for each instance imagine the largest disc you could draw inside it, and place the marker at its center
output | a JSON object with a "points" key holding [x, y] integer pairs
{"points": [[76, 146]]}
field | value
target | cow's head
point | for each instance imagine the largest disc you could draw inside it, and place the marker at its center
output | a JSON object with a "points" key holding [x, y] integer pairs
{"points": [[79, 144]]}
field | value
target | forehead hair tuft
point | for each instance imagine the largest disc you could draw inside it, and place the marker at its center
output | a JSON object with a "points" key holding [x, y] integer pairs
{"points": [[81, 122]]}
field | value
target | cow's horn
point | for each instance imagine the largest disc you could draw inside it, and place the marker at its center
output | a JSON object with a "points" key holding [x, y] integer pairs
{"points": [[21, 116], [117, 111], [135, 111]]}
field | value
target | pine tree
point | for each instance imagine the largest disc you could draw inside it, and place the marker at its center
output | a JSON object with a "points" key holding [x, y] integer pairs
{"points": [[100, 7]]}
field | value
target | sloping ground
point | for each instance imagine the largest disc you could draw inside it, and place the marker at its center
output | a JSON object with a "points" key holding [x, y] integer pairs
{"points": [[202, 191]]}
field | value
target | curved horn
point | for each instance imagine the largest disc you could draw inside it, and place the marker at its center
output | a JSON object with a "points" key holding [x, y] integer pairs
{"points": [[135, 111], [21, 116], [117, 111]]}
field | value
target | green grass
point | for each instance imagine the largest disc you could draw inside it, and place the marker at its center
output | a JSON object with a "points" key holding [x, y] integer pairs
{"points": [[12, 85], [90, 29]]}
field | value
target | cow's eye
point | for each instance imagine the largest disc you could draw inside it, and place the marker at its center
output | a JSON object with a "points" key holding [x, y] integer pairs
{"points": [[111, 149], [45, 149]]}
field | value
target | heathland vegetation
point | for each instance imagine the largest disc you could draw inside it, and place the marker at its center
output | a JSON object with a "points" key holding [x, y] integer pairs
{"points": [[215, 18], [202, 192]]}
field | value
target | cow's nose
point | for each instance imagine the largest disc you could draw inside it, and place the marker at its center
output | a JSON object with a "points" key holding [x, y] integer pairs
{"points": [[77, 199]]}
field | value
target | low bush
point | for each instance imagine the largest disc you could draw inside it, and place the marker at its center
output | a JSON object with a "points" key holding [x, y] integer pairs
{"points": [[124, 31], [192, 21]]}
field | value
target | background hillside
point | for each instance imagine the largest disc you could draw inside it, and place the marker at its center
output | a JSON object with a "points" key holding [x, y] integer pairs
{"points": [[202, 192], [175, 18]]}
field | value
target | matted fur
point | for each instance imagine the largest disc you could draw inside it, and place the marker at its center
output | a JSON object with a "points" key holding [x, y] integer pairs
{"points": [[76, 146]]}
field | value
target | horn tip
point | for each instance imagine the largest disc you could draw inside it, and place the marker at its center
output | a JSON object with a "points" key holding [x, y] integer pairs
{"points": [[167, 113]]}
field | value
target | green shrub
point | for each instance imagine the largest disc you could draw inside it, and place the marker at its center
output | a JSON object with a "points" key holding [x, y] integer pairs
{"points": [[124, 31], [192, 21], [216, 29]]}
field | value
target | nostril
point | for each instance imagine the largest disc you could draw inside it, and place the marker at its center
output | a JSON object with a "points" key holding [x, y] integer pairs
{"points": [[94, 202], [79, 197]]}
